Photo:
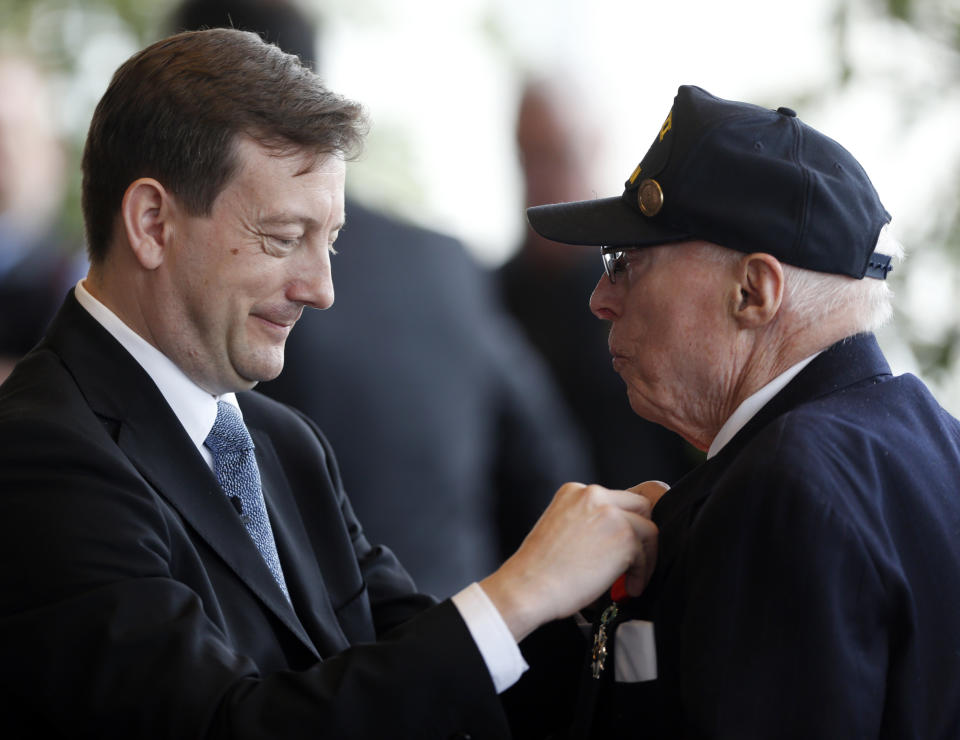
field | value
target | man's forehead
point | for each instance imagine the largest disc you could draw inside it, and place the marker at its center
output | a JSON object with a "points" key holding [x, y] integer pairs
{"points": [[275, 187], [292, 160]]}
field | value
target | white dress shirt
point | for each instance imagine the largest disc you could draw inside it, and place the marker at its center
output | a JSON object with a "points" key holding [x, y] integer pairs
{"points": [[197, 410]]}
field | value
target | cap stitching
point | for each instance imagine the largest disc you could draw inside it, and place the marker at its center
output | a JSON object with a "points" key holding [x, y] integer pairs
{"points": [[807, 185]]}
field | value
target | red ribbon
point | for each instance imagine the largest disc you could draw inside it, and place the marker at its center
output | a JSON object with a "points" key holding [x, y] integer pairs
{"points": [[618, 591]]}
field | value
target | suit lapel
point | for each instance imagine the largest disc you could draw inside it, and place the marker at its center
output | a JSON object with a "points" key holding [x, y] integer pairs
{"points": [[150, 435], [194, 492], [304, 578]]}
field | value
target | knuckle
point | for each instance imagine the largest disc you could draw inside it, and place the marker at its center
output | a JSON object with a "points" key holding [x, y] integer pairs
{"points": [[568, 489], [595, 494]]}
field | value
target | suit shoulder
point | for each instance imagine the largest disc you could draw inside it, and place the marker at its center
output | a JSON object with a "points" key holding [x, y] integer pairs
{"points": [[41, 388], [879, 415], [851, 452]]}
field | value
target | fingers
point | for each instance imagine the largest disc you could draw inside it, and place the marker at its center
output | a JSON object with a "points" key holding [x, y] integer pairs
{"points": [[637, 510], [652, 490], [645, 559], [586, 537], [628, 501]]}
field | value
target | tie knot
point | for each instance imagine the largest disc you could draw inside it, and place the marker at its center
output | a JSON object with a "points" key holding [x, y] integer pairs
{"points": [[229, 433]]}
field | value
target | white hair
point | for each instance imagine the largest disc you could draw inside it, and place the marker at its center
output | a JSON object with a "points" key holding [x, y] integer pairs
{"points": [[809, 295]]}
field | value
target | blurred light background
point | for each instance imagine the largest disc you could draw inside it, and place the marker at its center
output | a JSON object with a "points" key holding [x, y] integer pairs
{"points": [[441, 79]]}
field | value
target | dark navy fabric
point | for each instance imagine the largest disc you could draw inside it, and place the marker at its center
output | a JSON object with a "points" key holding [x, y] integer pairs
{"points": [[808, 581]]}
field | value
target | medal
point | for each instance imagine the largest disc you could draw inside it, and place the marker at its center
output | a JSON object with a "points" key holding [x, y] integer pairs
{"points": [[618, 592], [600, 640]]}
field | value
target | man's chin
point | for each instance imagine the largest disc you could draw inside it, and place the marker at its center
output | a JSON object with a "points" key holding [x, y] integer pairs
{"points": [[250, 374], [262, 373], [643, 408]]}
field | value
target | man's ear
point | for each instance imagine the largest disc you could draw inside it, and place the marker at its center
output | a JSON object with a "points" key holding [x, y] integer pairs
{"points": [[760, 278], [146, 210]]}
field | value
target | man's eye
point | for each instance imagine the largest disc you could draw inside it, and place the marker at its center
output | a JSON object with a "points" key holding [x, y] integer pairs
{"points": [[282, 243], [618, 264]]}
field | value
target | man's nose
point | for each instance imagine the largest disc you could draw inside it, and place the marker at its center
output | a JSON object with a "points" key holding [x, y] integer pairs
{"points": [[603, 299], [312, 285]]}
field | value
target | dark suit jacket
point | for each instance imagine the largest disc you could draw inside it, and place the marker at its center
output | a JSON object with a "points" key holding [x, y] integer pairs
{"points": [[450, 436], [133, 604], [808, 581]]}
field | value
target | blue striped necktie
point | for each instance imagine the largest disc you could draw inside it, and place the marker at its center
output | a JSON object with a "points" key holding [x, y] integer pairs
{"points": [[235, 464]]}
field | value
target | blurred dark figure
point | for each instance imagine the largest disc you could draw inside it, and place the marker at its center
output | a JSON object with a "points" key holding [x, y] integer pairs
{"points": [[281, 22], [35, 271], [547, 288], [450, 434]]}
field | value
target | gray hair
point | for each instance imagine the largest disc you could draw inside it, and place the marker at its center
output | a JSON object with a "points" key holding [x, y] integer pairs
{"points": [[809, 296], [867, 303]]}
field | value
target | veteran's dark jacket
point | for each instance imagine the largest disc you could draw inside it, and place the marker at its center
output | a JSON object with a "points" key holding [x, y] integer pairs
{"points": [[808, 580]]}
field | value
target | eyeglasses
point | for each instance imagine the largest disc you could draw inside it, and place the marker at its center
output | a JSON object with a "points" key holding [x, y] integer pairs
{"points": [[614, 260]]}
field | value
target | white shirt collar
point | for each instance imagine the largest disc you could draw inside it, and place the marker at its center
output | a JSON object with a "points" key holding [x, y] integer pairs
{"points": [[194, 407], [752, 404]]}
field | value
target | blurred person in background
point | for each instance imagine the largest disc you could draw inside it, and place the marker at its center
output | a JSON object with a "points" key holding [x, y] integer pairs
{"points": [[558, 146], [36, 264], [450, 433]]}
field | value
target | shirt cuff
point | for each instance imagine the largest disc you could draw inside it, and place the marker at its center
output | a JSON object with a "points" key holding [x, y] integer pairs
{"points": [[493, 638]]}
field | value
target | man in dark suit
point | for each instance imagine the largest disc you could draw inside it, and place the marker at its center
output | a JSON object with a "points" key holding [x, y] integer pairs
{"points": [[180, 558], [808, 580]]}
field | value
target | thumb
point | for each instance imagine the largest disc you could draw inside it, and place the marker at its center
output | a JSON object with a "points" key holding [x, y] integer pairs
{"points": [[652, 490]]}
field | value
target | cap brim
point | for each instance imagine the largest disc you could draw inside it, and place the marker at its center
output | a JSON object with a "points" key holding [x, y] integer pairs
{"points": [[607, 222]]}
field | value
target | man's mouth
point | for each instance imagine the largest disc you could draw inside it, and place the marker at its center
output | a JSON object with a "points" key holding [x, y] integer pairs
{"points": [[282, 323], [281, 319]]}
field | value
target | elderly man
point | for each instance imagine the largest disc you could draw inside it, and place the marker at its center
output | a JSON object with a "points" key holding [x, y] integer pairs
{"points": [[808, 581], [180, 559]]}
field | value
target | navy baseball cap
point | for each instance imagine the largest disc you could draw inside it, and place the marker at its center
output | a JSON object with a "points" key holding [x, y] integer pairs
{"points": [[741, 176]]}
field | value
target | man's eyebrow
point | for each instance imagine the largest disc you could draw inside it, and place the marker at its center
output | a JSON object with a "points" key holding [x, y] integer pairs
{"points": [[286, 218]]}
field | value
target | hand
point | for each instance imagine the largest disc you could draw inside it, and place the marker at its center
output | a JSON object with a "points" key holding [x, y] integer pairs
{"points": [[637, 579], [585, 539]]}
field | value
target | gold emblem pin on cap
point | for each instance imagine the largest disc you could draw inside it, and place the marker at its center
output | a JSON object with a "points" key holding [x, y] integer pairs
{"points": [[650, 197]]}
